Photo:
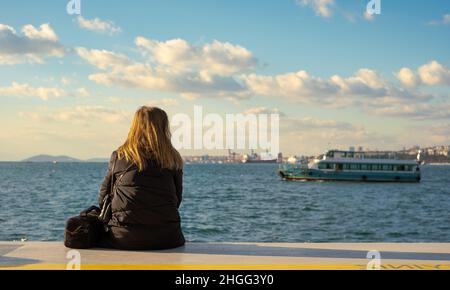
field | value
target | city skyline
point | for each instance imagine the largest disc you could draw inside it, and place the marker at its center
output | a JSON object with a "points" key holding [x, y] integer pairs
{"points": [[438, 150], [337, 76]]}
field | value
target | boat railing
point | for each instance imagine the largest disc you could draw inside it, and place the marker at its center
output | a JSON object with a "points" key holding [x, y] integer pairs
{"points": [[293, 166]]}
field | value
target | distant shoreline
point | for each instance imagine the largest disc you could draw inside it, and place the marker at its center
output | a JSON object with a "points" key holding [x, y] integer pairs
{"points": [[436, 155], [188, 163]]}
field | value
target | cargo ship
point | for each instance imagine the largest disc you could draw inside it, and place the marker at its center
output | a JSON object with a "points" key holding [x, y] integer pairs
{"points": [[338, 165], [261, 158]]}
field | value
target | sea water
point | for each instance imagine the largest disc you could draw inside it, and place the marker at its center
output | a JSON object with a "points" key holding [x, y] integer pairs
{"points": [[239, 203]]}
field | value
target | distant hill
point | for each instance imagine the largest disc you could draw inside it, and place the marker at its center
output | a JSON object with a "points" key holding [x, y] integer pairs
{"points": [[49, 158], [62, 159]]}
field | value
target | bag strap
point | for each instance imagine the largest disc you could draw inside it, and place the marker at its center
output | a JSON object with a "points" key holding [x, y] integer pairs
{"points": [[114, 183], [122, 175], [112, 175]]}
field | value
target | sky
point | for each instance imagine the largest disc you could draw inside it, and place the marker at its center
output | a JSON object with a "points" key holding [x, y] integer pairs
{"points": [[338, 76]]}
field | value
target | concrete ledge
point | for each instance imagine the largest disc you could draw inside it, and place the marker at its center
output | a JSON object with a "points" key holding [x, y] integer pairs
{"points": [[229, 256]]}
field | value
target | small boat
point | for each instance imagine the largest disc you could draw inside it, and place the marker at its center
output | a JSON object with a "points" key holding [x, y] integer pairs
{"points": [[338, 165]]}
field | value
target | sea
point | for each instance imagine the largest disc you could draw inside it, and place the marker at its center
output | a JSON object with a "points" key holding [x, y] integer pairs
{"points": [[238, 203]]}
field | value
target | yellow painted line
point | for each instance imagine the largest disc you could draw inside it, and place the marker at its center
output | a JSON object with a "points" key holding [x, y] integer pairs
{"points": [[229, 267], [190, 267], [226, 267]]}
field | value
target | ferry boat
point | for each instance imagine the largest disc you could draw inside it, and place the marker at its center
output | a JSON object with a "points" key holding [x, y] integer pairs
{"points": [[354, 166]]}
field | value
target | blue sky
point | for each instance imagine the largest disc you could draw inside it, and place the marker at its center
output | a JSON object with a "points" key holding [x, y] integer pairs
{"points": [[350, 93]]}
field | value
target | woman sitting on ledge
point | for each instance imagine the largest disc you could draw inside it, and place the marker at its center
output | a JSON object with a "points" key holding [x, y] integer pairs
{"points": [[146, 198]]}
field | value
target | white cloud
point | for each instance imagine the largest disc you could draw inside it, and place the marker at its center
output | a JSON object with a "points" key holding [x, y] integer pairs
{"points": [[303, 88], [167, 102], [407, 77], [309, 123], [45, 32], [175, 66], [430, 74], [300, 86], [25, 90], [98, 25], [322, 8], [103, 59], [414, 111], [263, 110], [445, 20], [83, 92], [366, 90], [227, 71], [439, 133], [434, 73], [33, 46], [80, 115], [216, 58], [326, 9]]}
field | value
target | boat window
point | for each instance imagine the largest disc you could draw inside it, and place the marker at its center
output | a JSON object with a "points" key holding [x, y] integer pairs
{"points": [[354, 167], [365, 167], [330, 166], [387, 167], [400, 168], [322, 166], [347, 166], [375, 167], [339, 167]]}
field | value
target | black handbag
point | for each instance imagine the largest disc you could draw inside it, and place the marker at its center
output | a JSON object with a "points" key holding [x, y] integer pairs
{"points": [[83, 231]]}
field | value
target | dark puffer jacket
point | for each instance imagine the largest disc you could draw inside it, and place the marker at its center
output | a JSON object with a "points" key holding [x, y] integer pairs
{"points": [[144, 208]]}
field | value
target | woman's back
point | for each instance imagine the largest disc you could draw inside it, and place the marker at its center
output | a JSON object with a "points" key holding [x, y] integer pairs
{"points": [[144, 206]]}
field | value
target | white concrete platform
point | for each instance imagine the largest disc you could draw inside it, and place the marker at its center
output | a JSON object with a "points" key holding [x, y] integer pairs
{"points": [[229, 256]]}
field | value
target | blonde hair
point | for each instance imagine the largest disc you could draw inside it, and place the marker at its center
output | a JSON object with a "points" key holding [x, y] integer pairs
{"points": [[150, 138]]}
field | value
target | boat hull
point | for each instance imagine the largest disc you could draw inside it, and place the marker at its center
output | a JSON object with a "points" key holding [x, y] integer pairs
{"points": [[318, 175]]}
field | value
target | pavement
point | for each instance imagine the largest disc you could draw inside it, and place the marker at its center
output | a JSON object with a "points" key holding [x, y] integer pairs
{"points": [[229, 256]]}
